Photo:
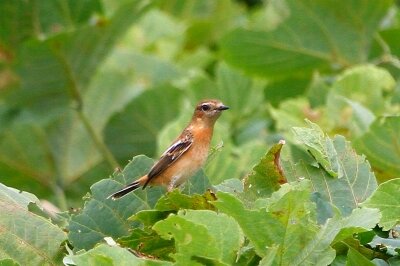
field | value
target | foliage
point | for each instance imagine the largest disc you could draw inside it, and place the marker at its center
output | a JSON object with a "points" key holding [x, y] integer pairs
{"points": [[304, 167]]}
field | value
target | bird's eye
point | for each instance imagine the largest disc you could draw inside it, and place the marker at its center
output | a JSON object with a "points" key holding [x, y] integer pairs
{"points": [[205, 107]]}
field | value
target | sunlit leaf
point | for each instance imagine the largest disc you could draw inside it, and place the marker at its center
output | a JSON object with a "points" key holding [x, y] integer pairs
{"points": [[386, 199]]}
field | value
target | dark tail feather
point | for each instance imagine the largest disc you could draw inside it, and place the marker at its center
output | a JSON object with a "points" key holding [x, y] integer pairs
{"points": [[125, 190]]}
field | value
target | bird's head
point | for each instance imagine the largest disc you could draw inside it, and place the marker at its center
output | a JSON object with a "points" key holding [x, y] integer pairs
{"points": [[208, 111]]}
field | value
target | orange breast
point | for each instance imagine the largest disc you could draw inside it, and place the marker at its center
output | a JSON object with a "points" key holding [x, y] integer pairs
{"points": [[190, 162]]}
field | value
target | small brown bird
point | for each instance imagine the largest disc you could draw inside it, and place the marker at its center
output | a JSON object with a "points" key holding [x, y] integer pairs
{"points": [[187, 153]]}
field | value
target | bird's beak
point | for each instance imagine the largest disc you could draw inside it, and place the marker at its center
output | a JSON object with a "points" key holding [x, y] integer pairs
{"points": [[223, 107]]}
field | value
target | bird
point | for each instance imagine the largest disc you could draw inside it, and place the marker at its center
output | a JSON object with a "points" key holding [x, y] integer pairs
{"points": [[186, 155]]}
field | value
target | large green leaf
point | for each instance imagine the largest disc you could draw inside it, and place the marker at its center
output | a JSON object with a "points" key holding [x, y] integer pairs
{"points": [[22, 230], [386, 199], [8, 262], [357, 182], [56, 70], [57, 148], [312, 251], [206, 20], [109, 255], [134, 130], [290, 218], [381, 145], [49, 150], [102, 217], [315, 34], [354, 258], [201, 234]]}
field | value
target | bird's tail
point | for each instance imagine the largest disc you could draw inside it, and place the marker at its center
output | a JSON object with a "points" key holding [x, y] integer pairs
{"points": [[120, 193]]}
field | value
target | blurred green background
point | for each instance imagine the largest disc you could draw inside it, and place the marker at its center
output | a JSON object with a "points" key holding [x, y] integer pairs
{"points": [[86, 85]]}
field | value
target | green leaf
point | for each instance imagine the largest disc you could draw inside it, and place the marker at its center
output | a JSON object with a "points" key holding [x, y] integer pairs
{"points": [[232, 185], [347, 114], [8, 262], [239, 92], [381, 145], [346, 193], [202, 234], [390, 245], [174, 201], [61, 58], [357, 96], [191, 239], [386, 199], [293, 112], [224, 229], [148, 242], [290, 218], [197, 184], [320, 147], [391, 37], [354, 258], [318, 250], [22, 230], [106, 255], [252, 222], [365, 84], [135, 129], [50, 18], [279, 90], [267, 175], [233, 161], [57, 148], [149, 217], [102, 217], [152, 70], [315, 34], [205, 20]]}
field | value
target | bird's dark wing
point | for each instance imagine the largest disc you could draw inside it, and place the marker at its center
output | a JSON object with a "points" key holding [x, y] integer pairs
{"points": [[171, 155]]}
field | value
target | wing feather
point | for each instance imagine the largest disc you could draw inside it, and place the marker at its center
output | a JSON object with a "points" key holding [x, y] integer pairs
{"points": [[171, 155]]}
